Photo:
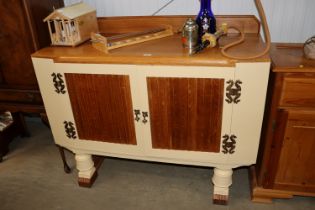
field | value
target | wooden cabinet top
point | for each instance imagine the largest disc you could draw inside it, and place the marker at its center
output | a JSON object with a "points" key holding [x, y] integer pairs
{"points": [[290, 58], [164, 51]]}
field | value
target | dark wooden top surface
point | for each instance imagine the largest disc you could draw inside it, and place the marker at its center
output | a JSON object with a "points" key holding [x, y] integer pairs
{"points": [[290, 58]]}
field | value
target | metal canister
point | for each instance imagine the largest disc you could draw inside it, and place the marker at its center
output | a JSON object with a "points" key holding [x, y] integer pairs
{"points": [[190, 34]]}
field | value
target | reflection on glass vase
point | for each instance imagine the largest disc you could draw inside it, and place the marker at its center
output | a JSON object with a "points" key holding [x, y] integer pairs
{"points": [[205, 19]]}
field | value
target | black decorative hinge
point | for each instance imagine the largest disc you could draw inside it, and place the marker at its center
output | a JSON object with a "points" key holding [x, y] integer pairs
{"points": [[70, 130], [228, 144], [137, 113], [58, 83], [145, 115], [233, 91]]}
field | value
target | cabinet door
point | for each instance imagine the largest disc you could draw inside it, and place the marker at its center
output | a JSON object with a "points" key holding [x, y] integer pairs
{"points": [[102, 107], [187, 113], [90, 106], [297, 157]]}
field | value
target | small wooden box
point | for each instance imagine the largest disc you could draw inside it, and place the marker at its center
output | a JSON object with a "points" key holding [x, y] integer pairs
{"points": [[72, 25]]}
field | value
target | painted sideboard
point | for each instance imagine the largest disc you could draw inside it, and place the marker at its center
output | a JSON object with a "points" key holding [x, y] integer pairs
{"points": [[153, 102]]}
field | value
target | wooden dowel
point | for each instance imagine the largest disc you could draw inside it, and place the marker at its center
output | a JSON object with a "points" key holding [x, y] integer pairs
{"points": [[64, 31], [57, 31], [129, 35], [50, 33]]}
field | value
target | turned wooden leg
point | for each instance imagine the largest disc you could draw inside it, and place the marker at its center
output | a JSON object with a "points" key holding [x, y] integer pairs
{"points": [[87, 172], [222, 179], [44, 118], [66, 167], [4, 145]]}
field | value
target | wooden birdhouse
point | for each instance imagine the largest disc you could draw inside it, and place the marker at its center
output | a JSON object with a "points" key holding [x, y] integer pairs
{"points": [[72, 25]]}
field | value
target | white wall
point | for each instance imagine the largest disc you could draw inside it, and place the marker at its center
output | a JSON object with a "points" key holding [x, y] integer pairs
{"points": [[289, 20]]}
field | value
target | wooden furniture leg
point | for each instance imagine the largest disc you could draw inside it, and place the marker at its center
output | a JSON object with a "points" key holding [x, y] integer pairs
{"points": [[87, 172], [5, 139], [66, 167], [222, 179], [19, 117]]}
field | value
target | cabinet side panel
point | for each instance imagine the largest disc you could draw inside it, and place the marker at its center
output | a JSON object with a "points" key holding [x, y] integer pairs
{"points": [[186, 113], [248, 113], [102, 107]]}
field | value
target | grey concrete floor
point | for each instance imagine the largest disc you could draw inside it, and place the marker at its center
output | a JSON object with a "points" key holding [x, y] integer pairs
{"points": [[32, 177]]}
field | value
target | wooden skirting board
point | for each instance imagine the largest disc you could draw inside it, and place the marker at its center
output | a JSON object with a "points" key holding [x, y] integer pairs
{"points": [[262, 195]]}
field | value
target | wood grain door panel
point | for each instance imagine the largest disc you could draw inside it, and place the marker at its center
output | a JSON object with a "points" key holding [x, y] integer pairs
{"points": [[102, 107], [297, 155], [186, 113]]}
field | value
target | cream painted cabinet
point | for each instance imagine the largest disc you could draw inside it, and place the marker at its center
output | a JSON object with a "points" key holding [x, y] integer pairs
{"points": [[207, 116]]}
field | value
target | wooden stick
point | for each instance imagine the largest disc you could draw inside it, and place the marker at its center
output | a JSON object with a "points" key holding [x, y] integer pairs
{"points": [[101, 43], [134, 34], [50, 33], [136, 40]]}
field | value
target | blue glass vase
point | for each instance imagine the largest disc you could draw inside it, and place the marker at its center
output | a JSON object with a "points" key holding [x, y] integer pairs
{"points": [[205, 19]]}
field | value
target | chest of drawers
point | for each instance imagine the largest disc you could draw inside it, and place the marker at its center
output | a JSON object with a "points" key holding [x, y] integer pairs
{"points": [[286, 158]]}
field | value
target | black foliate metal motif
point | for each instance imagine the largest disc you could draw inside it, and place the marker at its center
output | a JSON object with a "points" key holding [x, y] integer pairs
{"points": [[70, 130], [229, 144], [233, 91], [145, 115], [58, 83], [137, 113]]}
